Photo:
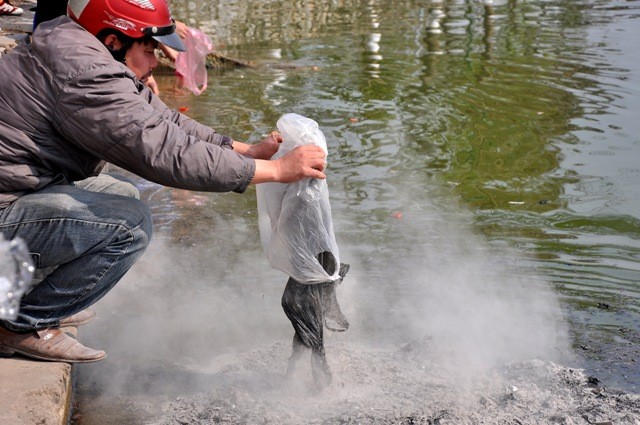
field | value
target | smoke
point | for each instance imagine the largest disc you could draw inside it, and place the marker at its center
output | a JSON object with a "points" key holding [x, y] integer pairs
{"points": [[471, 304], [430, 304], [178, 310]]}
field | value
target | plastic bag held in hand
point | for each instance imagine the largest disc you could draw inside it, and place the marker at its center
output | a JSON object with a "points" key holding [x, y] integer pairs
{"points": [[191, 65], [295, 218]]}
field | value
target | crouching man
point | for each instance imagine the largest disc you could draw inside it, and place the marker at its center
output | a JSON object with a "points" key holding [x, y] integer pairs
{"points": [[74, 100]]}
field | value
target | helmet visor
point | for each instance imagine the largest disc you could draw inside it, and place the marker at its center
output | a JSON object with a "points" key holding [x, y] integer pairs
{"points": [[166, 35]]}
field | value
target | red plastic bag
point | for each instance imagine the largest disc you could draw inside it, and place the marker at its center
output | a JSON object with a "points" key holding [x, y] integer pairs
{"points": [[190, 65]]}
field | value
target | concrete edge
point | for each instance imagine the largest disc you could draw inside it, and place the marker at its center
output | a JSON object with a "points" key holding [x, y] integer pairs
{"points": [[36, 392], [32, 391]]}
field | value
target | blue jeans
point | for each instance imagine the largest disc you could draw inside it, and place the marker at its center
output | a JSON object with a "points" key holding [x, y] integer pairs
{"points": [[90, 231]]}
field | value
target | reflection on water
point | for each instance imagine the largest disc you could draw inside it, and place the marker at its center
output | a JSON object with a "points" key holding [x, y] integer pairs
{"points": [[524, 113]]}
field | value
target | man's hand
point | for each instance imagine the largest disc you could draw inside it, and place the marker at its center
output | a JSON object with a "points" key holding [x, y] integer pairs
{"points": [[151, 83], [302, 162], [266, 147], [181, 29]]}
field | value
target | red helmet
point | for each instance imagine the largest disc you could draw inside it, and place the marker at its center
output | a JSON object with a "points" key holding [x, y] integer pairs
{"points": [[134, 18]]}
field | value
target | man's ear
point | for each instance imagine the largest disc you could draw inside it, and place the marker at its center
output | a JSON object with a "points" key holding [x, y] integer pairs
{"points": [[112, 42]]}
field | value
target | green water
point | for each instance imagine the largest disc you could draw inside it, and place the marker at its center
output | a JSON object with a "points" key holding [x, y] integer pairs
{"points": [[518, 119]]}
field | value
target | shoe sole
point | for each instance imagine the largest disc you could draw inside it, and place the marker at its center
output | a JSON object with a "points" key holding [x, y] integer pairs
{"points": [[7, 352]]}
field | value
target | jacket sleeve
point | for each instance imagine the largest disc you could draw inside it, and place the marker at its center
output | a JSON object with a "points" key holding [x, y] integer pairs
{"points": [[103, 112], [188, 125]]}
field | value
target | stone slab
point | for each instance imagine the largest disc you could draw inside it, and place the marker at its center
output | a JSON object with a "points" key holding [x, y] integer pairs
{"points": [[34, 392]]}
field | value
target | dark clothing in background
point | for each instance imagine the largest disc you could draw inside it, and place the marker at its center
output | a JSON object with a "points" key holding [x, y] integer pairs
{"points": [[47, 10]]}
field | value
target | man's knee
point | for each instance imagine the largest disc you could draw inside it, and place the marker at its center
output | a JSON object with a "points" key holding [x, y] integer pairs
{"points": [[113, 184], [139, 220], [131, 229], [126, 189]]}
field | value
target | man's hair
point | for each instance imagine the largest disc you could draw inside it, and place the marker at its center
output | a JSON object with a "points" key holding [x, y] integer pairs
{"points": [[125, 40]]}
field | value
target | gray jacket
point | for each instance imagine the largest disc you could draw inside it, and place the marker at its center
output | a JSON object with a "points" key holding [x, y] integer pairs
{"points": [[67, 107]]}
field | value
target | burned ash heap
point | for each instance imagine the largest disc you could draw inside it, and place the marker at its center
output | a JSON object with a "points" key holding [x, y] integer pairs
{"points": [[400, 386]]}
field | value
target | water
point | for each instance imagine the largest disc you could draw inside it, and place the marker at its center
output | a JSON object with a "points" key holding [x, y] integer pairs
{"points": [[514, 129]]}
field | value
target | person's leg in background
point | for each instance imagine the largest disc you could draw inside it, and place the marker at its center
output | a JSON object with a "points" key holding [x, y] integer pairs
{"points": [[7, 8], [47, 10]]}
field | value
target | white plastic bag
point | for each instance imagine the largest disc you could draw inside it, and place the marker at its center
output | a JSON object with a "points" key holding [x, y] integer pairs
{"points": [[191, 65], [295, 218], [16, 272]]}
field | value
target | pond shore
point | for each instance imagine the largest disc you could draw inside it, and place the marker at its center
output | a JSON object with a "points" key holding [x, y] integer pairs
{"points": [[36, 392]]}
